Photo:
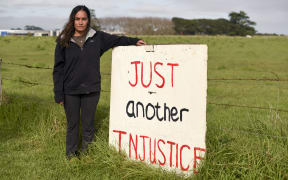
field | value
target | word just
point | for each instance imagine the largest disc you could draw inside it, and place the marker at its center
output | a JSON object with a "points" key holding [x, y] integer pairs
{"points": [[153, 71]]}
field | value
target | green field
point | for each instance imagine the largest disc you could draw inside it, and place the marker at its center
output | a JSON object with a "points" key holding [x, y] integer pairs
{"points": [[242, 142]]}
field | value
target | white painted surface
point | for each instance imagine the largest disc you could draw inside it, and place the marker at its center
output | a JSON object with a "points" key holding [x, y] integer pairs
{"points": [[188, 92]]}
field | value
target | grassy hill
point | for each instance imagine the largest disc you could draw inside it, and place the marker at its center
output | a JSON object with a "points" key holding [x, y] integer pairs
{"points": [[247, 113]]}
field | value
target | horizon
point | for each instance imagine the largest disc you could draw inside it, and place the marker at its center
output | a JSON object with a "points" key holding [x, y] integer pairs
{"points": [[270, 16]]}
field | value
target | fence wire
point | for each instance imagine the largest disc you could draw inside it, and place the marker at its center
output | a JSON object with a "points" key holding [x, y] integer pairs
{"points": [[252, 133], [249, 107], [212, 103], [27, 66], [247, 132], [209, 79]]}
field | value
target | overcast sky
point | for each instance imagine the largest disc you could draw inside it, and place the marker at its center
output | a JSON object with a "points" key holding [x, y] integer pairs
{"points": [[271, 16]]}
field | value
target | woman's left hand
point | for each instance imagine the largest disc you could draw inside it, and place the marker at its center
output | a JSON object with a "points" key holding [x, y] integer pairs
{"points": [[140, 43]]}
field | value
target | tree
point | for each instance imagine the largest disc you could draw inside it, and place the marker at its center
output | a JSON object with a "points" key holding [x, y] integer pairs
{"points": [[31, 27], [241, 18], [242, 24], [202, 26], [95, 23], [238, 25]]}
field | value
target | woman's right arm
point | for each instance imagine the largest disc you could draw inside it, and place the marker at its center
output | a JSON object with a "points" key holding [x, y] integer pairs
{"points": [[58, 74]]}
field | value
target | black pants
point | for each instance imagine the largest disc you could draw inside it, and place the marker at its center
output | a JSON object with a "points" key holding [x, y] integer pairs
{"points": [[76, 106]]}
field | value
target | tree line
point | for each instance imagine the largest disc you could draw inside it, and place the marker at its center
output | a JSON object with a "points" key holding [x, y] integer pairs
{"points": [[138, 26], [238, 24]]}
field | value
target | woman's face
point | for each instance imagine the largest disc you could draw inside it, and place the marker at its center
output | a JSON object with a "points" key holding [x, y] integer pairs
{"points": [[81, 21]]}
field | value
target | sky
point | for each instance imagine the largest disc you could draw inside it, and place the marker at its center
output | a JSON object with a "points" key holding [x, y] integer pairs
{"points": [[271, 16]]}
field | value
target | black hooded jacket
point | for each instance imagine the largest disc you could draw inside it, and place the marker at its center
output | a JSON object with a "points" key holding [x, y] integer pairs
{"points": [[77, 70]]}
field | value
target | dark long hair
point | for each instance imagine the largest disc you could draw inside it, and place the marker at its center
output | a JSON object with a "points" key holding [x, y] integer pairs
{"points": [[69, 29]]}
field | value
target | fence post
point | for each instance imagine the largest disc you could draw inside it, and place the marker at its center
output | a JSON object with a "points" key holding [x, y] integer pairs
{"points": [[0, 83]]}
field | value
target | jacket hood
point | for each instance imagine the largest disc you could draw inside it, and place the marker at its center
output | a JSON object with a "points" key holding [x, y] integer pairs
{"points": [[90, 33]]}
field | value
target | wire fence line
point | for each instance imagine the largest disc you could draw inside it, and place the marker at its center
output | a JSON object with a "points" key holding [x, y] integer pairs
{"points": [[245, 79], [249, 107], [27, 82], [247, 132], [212, 103], [35, 84], [252, 133], [209, 79], [27, 66], [38, 67]]}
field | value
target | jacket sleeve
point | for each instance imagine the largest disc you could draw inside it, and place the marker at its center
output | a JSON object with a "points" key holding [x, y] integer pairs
{"points": [[58, 74], [110, 41]]}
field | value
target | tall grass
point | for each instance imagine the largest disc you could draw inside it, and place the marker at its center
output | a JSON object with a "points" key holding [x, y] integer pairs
{"points": [[241, 142]]}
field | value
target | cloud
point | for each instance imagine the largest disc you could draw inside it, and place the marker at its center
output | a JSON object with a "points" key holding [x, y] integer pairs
{"points": [[2, 11], [34, 3], [43, 22], [266, 13]]}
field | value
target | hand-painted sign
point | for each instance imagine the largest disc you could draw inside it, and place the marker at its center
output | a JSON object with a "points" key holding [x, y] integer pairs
{"points": [[158, 104]]}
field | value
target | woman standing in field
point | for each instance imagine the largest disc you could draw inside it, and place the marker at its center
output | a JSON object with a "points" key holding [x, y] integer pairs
{"points": [[76, 74]]}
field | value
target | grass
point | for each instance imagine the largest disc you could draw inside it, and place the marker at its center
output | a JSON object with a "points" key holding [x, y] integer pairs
{"points": [[241, 143]]}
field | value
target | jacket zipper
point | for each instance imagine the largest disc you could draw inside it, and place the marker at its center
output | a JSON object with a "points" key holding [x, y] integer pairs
{"points": [[83, 45]]}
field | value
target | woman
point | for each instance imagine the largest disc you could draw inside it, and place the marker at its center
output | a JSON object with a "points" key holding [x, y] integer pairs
{"points": [[77, 77]]}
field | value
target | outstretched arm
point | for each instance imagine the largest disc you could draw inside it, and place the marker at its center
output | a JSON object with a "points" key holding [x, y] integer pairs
{"points": [[110, 41]]}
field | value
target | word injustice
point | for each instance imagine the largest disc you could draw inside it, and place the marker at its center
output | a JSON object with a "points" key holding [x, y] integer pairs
{"points": [[174, 158], [172, 65], [150, 111]]}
